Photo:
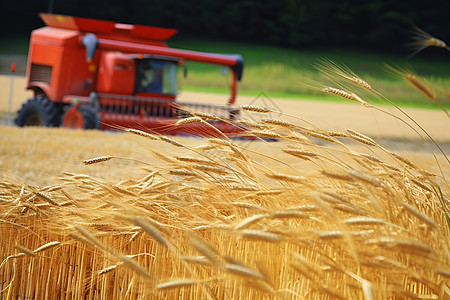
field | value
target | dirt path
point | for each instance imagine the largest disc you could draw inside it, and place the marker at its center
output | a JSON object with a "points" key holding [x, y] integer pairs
{"points": [[342, 115], [325, 115]]}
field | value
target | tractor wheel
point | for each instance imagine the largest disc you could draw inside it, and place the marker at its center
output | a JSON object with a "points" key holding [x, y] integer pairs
{"points": [[39, 111], [81, 117]]}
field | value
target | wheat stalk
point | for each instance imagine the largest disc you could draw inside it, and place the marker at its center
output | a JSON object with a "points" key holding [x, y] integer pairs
{"points": [[361, 138], [46, 198], [327, 66], [345, 94], [150, 230], [142, 133], [97, 159], [304, 154], [212, 169], [278, 122], [411, 246], [288, 214], [206, 249], [202, 260], [243, 271], [181, 172], [364, 221], [170, 141], [284, 177], [135, 266], [254, 108], [414, 81], [259, 235], [422, 40], [424, 218], [266, 134], [206, 116], [189, 120], [25, 251], [196, 160], [90, 238], [46, 246], [176, 284], [110, 268], [251, 124], [249, 221], [335, 175], [247, 205]]}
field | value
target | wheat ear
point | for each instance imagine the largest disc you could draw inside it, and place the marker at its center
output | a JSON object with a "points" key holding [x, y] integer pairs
{"points": [[254, 108], [97, 159], [345, 94], [142, 133]]}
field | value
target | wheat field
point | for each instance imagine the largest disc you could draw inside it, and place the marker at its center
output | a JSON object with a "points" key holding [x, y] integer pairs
{"points": [[298, 213]]}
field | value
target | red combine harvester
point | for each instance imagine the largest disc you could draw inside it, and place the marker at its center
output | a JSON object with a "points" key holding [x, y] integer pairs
{"points": [[88, 73]]}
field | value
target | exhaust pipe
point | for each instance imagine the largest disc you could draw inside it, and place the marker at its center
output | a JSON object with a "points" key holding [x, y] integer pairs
{"points": [[90, 42]]}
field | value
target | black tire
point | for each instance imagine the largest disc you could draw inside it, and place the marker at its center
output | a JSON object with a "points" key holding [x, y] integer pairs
{"points": [[39, 111], [90, 118]]}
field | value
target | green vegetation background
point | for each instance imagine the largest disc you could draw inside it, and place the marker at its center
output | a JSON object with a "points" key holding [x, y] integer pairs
{"points": [[290, 73]]}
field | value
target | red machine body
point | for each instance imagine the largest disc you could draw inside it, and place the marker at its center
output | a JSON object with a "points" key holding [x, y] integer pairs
{"points": [[88, 73]]}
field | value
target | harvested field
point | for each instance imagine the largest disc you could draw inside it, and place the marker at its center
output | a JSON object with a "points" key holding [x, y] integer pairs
{"points": [[322, 213]]}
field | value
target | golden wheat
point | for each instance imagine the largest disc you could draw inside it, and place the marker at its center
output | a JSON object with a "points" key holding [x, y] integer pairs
{"points": [[46, 198], [181, 172], [196, 160], [414, 81], [249, 221], [170, 141], [175, 284], [188, 120], [142, 133], [345, 94], [234, 220], [285, 177], [110, 268], [25, 251], [329, 67], [278, 122], [46, 246], [254, 108], [424, 218], [361, 138], [97, 159], [206, 249], [422, 40], [260, 235], [150, 230], [242, 271]]}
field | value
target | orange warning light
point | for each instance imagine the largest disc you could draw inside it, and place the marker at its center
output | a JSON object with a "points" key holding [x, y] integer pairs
{"points": [[13, 67], [140, 56]]}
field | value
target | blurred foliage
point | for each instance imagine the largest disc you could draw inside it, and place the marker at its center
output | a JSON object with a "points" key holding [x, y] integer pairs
{"points": [[371, 24]]}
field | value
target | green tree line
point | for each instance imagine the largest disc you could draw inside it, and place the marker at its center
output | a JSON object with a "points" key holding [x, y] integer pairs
{"points": [[370, 24]]}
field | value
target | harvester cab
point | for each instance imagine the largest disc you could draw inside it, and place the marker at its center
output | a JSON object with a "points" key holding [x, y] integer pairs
{"points": [[88, 73]]}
